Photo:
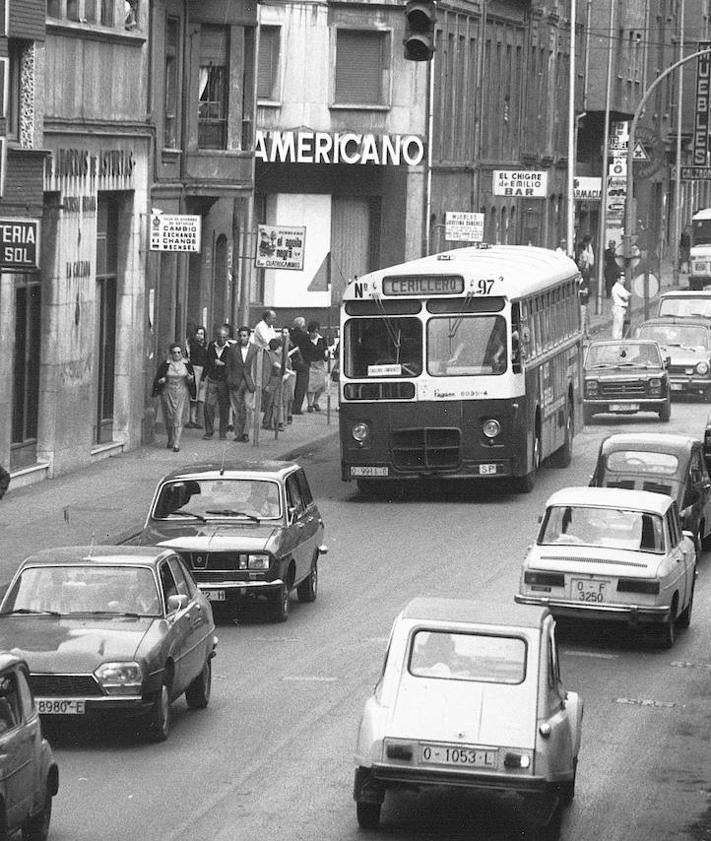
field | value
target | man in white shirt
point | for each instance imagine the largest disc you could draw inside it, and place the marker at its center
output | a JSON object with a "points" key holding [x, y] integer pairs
{"points": [[264, 332], [620, 303]]}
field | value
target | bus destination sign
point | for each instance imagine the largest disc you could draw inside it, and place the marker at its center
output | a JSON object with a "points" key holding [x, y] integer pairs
{"points": [[423, 285]]}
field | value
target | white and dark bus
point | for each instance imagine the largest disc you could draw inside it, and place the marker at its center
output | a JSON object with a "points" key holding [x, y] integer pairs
{"points": [[459, 365]]}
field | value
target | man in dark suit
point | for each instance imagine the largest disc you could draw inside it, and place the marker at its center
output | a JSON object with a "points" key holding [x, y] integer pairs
{"points": [[240, 382], [298, 336]]}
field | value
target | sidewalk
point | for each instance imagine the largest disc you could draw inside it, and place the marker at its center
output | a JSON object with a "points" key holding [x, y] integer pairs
{"points": [[108, 501]]}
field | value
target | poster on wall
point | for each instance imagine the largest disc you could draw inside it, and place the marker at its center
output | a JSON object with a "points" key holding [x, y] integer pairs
{"points": [[175, 232], [280, 247]]}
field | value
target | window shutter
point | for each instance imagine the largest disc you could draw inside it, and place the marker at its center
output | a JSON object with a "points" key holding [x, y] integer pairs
{"points": [[359, 66], [268, 61]]}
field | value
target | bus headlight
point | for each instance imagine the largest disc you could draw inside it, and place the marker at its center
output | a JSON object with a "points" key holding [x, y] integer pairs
{"points": [[360, 432], [491, 428], [702, 368], [655, 385], [591, 387]]}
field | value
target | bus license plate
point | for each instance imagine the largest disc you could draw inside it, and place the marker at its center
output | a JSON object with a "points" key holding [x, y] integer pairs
{"points": [[60, 706], [487, 469], [624, 407], [215, 595], [677, 386], [369, 470], [584, 590]]}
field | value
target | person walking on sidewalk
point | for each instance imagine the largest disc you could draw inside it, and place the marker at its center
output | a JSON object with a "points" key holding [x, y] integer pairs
{"points": [[298, 337], [620, 304], [175, 384], [196, 349], [216, 394], [4, 481], [315, 352], [586, 262], [612, 270], [240, 382]]}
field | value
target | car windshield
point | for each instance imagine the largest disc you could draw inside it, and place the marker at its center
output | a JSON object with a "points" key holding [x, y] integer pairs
{"points": [[204, 499], [676, 335], [624, 354], [383, 346], [70, 589], [609, 528], [642, 461], [691, 306], [471, 657], [472, 345]]}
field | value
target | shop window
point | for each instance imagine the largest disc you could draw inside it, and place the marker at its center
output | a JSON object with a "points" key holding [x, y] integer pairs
{"points": [[212, 107], [170, 114], [25, 382], [268, 71], [114, 14], [362, 67], [106, 281]]}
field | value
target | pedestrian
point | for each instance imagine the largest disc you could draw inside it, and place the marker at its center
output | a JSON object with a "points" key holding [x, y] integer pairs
{"points": [[240, 382], [583, 297], [175, 384], [315, 353], [586, 262], [196, 350], [264, 330], [298, 336], [4, 481], [611, 268], [216, 394], [272, 391], [620, 305], [684, 250]]}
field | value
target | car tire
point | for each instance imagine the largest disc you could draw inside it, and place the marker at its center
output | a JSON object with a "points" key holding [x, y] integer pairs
{"points": [[587, 415], [665, 412], [368, 815], [563, 456], [158, 718], [279, 605], [684, 619], [525, 484], [308, 589], [197, 695], [667, 631], [36, 828]]}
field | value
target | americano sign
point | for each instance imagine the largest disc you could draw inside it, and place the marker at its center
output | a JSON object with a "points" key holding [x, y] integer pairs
{"points": [[321, 147]]}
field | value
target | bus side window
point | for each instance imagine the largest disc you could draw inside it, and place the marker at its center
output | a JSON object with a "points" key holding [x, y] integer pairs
{"points": [[517, 351]]}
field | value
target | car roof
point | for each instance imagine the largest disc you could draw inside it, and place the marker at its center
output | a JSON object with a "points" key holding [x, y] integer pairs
{"points": [[99, 556], [679, 320], [434, 609], [245, 469], [662, 442], [624, 342], [654, 503], [686, 293]]}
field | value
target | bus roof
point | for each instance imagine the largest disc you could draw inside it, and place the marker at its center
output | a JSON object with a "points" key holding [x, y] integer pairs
{"points": [[521, 269]]}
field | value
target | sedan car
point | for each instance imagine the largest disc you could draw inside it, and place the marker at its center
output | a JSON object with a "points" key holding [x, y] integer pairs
{"points": [[686, 342], [245, 530], [661, 463], [470, 696], [604, 553], [29, 777], [625, 377], [110, 630]]}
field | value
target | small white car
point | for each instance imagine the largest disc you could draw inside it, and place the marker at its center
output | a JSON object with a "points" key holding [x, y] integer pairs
{"points": [[470, 696], [604, 553]]}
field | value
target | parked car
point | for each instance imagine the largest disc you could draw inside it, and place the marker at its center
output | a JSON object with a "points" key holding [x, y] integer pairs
{"points": [[29, 777], [686, 342], [621, 555], [625, 377], [685, 303], [470, 696], [661, 463], [111, 630], [246, 530]]}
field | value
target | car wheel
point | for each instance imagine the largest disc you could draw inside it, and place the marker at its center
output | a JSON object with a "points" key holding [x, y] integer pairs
{"points": [[308, 589], [563, 456], [665, 412], [368, 815], [197, 695], [158, 719], [587, 415], [525, 484], [684, 619], [279, 605], [667, 630], [36, 828]]}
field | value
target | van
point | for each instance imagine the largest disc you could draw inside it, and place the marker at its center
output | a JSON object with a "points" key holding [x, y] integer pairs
{"points": [[700, 252]]}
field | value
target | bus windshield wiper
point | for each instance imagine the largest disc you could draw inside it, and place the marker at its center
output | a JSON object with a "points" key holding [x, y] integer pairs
{"points": [[460, 316], [395, 333]]}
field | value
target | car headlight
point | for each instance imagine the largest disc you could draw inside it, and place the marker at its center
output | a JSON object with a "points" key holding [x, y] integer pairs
{"points": [[702, 368], [360, 431], [591, 386], [491, 428], [120, 678], [258, 561]]}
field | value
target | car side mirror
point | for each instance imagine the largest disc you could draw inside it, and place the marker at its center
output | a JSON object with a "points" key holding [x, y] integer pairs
{"points": [[689, 534], [178, 602], [667, 361]]}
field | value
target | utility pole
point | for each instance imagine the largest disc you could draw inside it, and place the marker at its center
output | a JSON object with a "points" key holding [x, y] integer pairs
{"points": [[572, 135], [677, 176]]}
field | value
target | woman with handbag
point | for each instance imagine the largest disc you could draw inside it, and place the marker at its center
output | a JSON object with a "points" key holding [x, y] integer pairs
{"points": [[175, 384], [315, 352]]}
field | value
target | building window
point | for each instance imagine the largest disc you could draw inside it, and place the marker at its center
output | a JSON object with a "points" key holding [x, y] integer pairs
{"points": [[114, 14], [170, 125], [15, 50], [26, 364], [212, 107], [268, 78], [362, 67], [107, 231]]}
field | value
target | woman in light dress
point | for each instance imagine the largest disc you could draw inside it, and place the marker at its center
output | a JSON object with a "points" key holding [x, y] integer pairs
{"points": [[175, 383]]}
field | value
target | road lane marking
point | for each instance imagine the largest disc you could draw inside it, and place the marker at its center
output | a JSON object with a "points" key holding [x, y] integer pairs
{"points": [[310, 679], [648, 702], [685, 664], [598, 654]]}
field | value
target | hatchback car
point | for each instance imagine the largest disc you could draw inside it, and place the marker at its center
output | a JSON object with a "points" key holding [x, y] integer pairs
{"points": [[661, 463], [470, 696], [686, 342], [110, 630], [29, 777], [245, 530], [625, 377], [604, 553]]}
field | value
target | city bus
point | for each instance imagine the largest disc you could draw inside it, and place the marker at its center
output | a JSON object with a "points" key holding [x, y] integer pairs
{"points": [[464, 364]]}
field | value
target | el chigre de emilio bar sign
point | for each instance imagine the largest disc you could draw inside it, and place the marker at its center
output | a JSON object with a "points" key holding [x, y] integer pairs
{"points": [[322, 147]]}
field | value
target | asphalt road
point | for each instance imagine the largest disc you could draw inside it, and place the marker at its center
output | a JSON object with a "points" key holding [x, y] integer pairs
{"points": [[271, 757]]}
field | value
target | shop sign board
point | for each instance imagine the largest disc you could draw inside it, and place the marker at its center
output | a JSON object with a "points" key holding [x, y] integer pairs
{"points": [[346, 147], [695, 173], [617, 167], [19, 244], [531, 184], [700, 146], [460, 226], [175, 232], [587, 189], [280, 247]]}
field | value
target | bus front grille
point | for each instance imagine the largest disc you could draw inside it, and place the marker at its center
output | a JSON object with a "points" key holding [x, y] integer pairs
{"points": [[425, 448], [397, 390]]}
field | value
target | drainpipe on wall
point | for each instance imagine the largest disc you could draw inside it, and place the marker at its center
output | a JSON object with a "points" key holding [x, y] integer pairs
{"points": [[430, 132]]}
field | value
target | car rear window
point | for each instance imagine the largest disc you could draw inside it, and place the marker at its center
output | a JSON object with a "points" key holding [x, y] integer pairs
{"points": [[686, 306], [609, 528], [641, 461], [470, 657], [676, 335]]}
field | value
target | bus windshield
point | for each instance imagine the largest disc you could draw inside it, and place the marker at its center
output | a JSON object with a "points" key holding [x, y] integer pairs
{"points": [[701, 231], [466, 346], [382, 346]]}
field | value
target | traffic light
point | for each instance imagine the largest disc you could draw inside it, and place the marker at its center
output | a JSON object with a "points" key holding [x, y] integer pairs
{"points": [[420, 18]]}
